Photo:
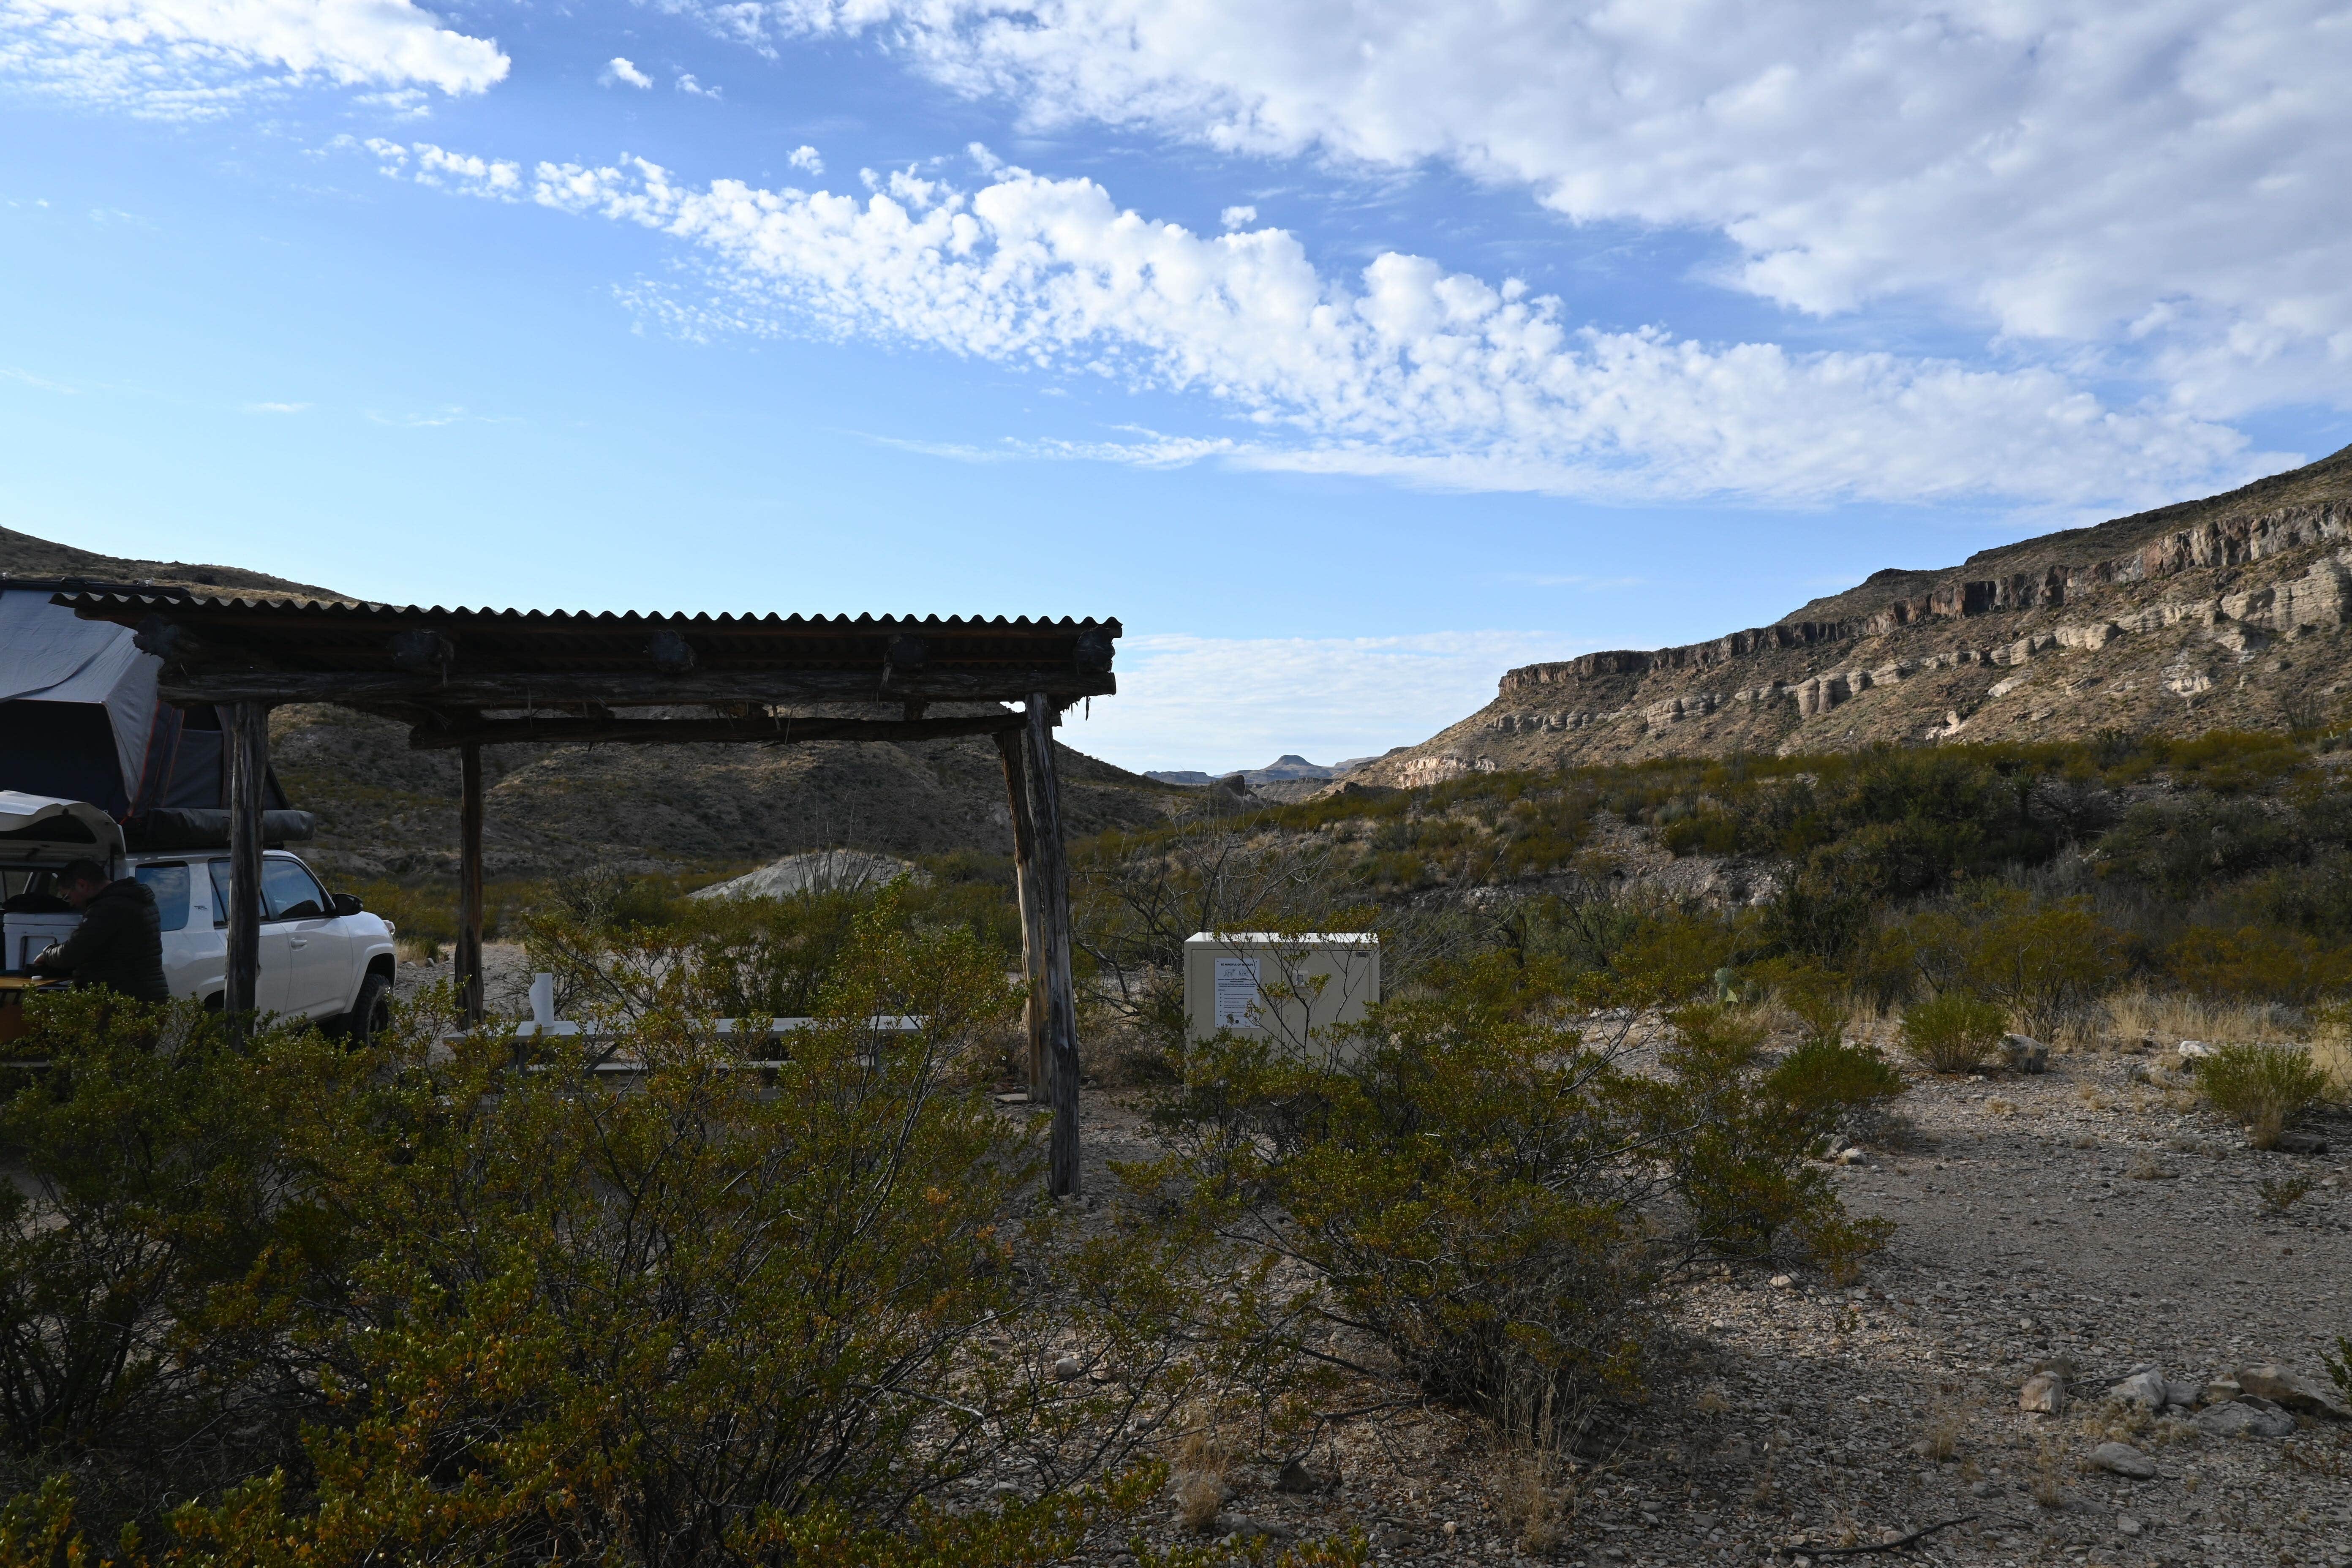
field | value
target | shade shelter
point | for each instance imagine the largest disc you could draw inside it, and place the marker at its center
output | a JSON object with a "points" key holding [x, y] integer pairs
{"points": [[466, 679]]}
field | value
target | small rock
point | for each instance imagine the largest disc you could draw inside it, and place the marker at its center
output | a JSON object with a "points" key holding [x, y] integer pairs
{"points": [[1004, 1489], [2195, 1050], [2125, 1525], [1782, 1282], [1850, 1156], [2221, 1390], [2145, 1389], [2247, 1417], [2123, 1460], [1247, 1528], [1985, 1489], [2184, 1395], [2025, 1054], [1069, 1369], [2044, 1394], [2302, 1143], [2291, 1390], [1296, 1477]]}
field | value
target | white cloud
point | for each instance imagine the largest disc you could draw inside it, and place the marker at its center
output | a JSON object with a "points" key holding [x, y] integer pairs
{"points": [[806, 159], [1406, 370], [686, 83], [275, 407], [1237, 218], [1221, 703], [2162, 180], [620, 70], [179, 58]]}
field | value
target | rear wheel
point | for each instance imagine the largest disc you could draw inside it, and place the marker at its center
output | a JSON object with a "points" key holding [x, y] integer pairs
{"points": [[370, 1015]]}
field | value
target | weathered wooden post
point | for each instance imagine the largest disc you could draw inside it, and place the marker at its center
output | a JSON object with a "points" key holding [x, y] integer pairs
{"points": [[1053, 886], [468, 964], [248, 797], [1025, 886]]}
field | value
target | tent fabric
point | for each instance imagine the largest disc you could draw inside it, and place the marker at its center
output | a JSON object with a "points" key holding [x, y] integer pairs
{"points": [[47, 654]]}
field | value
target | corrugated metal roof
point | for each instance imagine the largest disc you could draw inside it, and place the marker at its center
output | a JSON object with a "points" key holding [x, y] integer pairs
{"points": [[235, 646], [185, 604]]}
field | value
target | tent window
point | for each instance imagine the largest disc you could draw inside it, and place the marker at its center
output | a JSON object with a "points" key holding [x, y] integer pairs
{"points": [[170, 886]]}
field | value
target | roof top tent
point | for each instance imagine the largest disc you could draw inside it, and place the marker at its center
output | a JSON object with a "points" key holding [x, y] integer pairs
{"points": [[80, 720]]}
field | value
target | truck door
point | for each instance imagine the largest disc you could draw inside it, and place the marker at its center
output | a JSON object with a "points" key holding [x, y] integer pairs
{"points": [[270, 986], [319, 954]]}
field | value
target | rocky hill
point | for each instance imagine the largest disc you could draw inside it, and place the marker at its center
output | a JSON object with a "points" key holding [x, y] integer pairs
{"points": [[387, 811], [2227, 611]]}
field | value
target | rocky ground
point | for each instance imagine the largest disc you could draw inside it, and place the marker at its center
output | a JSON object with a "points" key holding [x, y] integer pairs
{"points": [[2086, 1219]]}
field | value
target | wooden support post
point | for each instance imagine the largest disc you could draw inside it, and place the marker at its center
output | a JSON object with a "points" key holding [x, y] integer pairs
{"points": [[1051, 858], [470, 885], [1025, 886], [248, 797]]}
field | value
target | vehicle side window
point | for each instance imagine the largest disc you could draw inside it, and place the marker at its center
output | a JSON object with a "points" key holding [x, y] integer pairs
{"points": [[170, 886], [219, 869], [287, 893]]}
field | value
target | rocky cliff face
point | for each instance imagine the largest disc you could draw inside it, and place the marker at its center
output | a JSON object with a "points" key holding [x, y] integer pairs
{"points": [[2232, 611]]}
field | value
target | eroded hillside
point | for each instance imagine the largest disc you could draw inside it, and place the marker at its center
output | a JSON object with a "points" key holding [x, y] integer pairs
{"points": [[2229, 612]]}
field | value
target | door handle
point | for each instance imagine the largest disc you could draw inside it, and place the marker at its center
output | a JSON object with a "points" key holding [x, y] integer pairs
{"points": [[297, 942]]}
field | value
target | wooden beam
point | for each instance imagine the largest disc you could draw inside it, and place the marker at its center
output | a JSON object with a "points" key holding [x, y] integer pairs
{"points": [[469, 964], [427, 736], [248, 796], [1052, 860], [617, 689], [1024, 887]]}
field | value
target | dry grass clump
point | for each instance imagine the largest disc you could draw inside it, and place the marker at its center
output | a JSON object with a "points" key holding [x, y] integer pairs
{"points": [[1536, 1499], [2167, 1019], [2331, 1045], [1953, 1033], [2048, 1484], [1197, 1474], [2263, 1089]]}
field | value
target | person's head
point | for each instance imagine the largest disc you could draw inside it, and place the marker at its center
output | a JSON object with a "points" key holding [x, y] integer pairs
{"points": [[78, 881]]}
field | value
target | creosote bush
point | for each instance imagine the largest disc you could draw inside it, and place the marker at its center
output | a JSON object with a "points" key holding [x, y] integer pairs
{"points": [[1498, 1199], [1953, 1032], [2263, 1089], [291, 1303]]}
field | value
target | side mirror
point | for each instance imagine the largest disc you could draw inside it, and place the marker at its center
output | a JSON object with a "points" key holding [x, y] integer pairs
{"points": [[345, 903]]}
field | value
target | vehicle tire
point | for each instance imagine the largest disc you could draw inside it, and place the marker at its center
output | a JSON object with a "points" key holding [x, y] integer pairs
{"points": [[371, 1014]]}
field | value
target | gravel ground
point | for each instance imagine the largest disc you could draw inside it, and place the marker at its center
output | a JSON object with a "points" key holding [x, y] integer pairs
{"points": [[2077, 1215]]}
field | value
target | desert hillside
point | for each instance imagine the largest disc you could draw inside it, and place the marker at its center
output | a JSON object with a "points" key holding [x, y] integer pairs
{"points": [[387, 812], [2226, 612]]}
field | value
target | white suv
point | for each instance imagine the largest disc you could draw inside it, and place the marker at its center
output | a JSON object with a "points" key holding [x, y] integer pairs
{"points": [[322, 955]]}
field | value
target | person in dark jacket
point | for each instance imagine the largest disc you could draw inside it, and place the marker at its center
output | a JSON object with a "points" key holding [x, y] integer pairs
{"points": [[119, 943]]}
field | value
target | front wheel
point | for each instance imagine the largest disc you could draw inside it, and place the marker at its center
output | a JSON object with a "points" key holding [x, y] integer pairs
{"points": [[370, 1015]]}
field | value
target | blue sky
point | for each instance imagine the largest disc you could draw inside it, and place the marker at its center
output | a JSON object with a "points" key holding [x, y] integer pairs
{"points": [[1350, 352]]}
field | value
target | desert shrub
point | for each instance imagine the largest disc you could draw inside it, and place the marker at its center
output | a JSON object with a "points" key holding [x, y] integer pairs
{"points": [[2263, 1089], [150, 1248], [1469, 1188], [2180, 849], [744, 958], [459, 1308], [1707, 831], [2039, 960], [1496, 1197], [1750, 1126], [1953, 1032], [2264, 963], [424, 918]]}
